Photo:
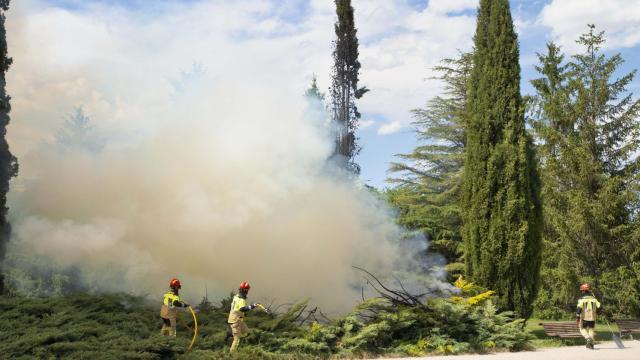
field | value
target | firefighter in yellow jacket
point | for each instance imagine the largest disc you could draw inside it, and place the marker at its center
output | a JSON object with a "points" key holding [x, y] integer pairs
{"points": [[169, 310], [586, 314], [239, 307]]}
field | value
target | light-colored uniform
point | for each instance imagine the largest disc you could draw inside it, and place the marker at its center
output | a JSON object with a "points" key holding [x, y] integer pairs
{"points": [[236, 321], [587, 307], [170, 312]]}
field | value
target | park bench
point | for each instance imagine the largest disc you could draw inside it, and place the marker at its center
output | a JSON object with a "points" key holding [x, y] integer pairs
{"points": [[563, 330], [628, 326]]}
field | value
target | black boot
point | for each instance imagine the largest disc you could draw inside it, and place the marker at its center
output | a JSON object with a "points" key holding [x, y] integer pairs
{"points": [[229, 334]]}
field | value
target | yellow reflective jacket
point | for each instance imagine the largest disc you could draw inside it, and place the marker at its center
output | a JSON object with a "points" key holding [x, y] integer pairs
{"points": [[170, 298], [587, 307], [169, 308], [236, 314]]}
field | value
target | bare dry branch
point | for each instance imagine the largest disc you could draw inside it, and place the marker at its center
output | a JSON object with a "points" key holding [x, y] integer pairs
{"points": [[396, 296]]}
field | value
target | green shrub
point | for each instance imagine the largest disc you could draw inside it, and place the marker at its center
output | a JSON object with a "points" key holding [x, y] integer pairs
{"points": [[120, 326]]}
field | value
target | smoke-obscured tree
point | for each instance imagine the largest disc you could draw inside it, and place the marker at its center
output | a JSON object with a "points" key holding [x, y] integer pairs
{"points": [[189, 79], [344, 87], [502, 211], [428, 188], [588, 133], [8, 162], [316, 109], [313, 92], [77, 133]]}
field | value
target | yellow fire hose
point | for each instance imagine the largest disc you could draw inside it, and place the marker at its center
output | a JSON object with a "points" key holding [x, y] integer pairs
{"points": [[195, 329]]}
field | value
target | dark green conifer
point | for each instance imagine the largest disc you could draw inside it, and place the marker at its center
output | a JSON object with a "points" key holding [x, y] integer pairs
{"points": [[588, 134], [551, 123], [344, 87], [502, 212], [8, 162]]}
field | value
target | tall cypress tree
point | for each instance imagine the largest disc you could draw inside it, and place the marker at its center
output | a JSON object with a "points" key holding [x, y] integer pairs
{"points": [[8, 162], [502, 217], [344, 88]]}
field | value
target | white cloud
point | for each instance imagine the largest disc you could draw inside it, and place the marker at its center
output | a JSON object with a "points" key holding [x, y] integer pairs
{"points": [[367, 123], [522, 23], [390, 128], [568, 19], [399, 46], [451, 6]]}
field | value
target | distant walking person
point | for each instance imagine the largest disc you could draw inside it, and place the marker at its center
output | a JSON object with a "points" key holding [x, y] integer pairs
{"points": [[169, 310], [236, 315], [586, 314]]}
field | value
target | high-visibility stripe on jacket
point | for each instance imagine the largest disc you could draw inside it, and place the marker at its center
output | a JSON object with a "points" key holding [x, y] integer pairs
{"points": [[587, 306]]}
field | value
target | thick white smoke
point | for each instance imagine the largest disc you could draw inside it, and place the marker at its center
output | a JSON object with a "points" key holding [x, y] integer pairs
{"points": [[214, 176]]}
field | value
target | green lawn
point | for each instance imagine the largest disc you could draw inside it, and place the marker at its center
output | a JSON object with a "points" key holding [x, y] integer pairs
{"points": [[542, 340]]}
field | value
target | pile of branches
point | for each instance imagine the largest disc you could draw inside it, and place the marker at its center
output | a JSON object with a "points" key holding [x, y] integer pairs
{"points": [[399, 296], [303, 314]]}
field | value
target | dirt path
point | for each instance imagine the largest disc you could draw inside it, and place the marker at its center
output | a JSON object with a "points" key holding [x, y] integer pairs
{"points": [[603, 351]]}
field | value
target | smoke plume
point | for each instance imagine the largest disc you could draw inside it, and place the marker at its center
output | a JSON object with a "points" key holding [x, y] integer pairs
{"points": [[216, 174]]}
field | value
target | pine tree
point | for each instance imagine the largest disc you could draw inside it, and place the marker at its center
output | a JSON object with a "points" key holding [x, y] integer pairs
{"points": [[550, 109], [344, 88], [502, 216], [314, 91], [8, 162], [427, 193], [587, 126], [316, 110]]}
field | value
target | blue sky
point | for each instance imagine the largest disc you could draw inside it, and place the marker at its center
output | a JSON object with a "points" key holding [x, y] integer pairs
{"points": [[401, 40]]}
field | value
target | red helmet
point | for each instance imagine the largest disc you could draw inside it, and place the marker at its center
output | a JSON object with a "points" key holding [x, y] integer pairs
{"points": [[175, 284], [245, 286], [585, 287]]}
